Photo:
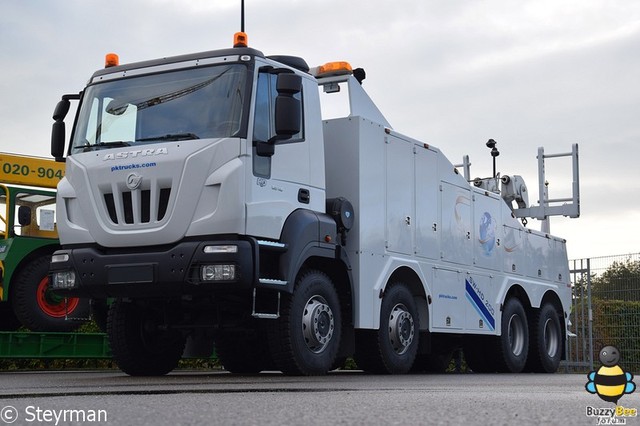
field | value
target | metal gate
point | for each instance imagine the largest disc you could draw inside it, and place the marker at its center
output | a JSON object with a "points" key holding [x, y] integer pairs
{"points": [[605, 311]]}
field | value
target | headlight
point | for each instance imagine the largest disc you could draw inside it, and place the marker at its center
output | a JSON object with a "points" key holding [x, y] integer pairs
{"points": [[218, 272], [63, 280]]}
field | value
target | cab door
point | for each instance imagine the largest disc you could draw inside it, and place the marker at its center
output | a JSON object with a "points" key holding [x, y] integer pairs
{"points": [[280, 177]]}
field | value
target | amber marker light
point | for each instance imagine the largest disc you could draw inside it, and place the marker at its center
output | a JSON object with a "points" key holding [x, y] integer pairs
{"points": [[111, 60], [240, 39], [335, 68]]}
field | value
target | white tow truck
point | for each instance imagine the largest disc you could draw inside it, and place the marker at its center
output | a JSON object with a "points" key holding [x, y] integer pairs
{"points": [[207, 196]]}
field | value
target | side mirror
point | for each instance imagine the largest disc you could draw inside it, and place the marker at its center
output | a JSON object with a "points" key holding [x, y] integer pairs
{"points": [[289, 83], [62, 108], [265, 149], [24, 215], [58, 133], [288, 110], [57, 140]]}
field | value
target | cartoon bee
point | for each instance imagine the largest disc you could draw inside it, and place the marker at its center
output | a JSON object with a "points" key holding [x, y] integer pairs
{"points": [[610, 382]]}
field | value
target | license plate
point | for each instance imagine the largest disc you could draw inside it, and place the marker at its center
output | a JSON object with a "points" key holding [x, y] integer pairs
{"points": [[126, 274]]}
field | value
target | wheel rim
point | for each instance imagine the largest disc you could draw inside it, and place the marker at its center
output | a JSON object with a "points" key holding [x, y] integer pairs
{"points": [[52, 304], [317, 324], [401, 329], [551, 338], [516, 334]]}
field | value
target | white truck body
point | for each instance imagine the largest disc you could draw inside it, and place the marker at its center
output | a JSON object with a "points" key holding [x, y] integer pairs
{"points": [[419, 251], [414, 210]]}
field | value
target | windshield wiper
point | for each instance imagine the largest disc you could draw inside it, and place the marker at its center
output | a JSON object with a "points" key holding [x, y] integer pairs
{"points": [[90, 147], [170, 137]]}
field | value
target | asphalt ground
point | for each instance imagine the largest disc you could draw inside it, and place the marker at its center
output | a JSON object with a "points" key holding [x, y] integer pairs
{"points": [[341, 398]]}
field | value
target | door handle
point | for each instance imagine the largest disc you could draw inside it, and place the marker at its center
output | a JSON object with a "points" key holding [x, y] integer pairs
{"points": [[304, 196]]}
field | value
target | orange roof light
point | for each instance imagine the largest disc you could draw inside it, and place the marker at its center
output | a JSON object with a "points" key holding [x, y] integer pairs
{"points": [[111, 60], [240, 39], [334, 68]]}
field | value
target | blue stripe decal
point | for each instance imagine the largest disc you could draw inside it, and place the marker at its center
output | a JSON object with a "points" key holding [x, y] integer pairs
{"points": [[472, 296]]}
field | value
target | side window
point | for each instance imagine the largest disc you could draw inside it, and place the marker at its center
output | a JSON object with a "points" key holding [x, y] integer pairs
{"points": [[262, 125], [264, 122]]}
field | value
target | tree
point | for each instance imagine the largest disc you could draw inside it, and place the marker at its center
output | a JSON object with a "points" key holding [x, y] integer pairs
{"points": [[621, 281]]}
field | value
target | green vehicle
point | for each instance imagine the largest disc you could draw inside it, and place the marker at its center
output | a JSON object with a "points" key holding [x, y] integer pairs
{"points": [[28, 237]]}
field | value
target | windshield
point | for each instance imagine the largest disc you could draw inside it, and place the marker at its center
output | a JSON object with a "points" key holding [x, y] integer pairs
{"points": [[196, 103]]}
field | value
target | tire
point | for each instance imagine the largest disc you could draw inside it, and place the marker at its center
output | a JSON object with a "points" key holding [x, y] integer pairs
{"points": [[37, 307], [545, 344], [392, 349], [306, 338], [243, 354], [139, 347], [513, 344]]}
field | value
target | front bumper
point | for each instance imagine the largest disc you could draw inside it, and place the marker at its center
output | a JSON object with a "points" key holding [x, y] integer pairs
{"points": [[150, 272]]}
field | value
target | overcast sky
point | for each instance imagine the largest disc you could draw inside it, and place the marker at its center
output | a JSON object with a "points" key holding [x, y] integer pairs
{"points": [[451, 73]]}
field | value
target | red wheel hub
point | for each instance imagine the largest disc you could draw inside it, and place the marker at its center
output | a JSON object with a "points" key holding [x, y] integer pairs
{"points": [[52, 304]]}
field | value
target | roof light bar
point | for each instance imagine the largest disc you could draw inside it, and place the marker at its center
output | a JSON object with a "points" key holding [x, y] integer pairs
{"points": [[332, 68]]}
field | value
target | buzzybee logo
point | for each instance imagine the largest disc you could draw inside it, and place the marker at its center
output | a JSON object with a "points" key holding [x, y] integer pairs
{"points": [[610, 382]]}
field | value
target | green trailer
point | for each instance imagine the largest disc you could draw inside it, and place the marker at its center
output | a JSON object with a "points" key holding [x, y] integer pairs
{"points": [[33, 345], [28, 237]]}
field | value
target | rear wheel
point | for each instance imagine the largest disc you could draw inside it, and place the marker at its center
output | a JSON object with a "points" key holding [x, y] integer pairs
{"points": [[306, 338], [139, 344], [38, 308], [513, 344], [392, 349], [545, 345]]}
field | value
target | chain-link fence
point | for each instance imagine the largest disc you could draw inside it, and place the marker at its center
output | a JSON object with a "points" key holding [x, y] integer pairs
{"points": [[605, 311]]}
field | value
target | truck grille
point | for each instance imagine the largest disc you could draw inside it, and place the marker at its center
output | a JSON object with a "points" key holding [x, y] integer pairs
{"points": [[136, 206]]}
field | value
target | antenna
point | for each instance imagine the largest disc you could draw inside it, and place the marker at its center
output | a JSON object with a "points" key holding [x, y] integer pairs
{"points": [[240, 39], [242, 15]]}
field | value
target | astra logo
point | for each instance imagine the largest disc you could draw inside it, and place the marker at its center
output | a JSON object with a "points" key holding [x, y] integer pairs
{"points": [[135, 153]]}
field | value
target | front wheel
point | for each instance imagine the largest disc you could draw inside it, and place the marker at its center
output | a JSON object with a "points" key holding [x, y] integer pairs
{"points": [[306, 338], [545, 346], [391, 349], [139, 344]]}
